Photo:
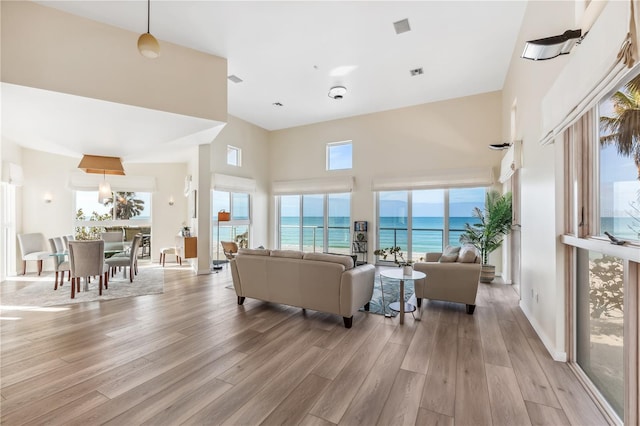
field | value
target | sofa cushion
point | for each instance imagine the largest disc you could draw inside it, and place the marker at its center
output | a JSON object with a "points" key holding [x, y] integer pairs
{"points": [[291, 254], [255, 252], [448, 258], [450, 254], [467, 254], [345, 260]]}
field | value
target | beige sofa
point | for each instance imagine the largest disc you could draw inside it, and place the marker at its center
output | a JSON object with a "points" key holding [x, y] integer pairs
{"points": [[322, 282], [451, 282]]}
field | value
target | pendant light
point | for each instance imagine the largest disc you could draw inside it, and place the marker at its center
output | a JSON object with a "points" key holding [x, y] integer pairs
{"points": [[147, 44], [104, 189]]}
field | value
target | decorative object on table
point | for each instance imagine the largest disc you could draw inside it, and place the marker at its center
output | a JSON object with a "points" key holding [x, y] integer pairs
{"points": [[223, 216], [186, 231], [398, 258], [487, 236]]}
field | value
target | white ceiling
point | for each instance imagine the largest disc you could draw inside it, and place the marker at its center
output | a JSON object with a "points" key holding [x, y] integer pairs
{"points": [[288, 52]]}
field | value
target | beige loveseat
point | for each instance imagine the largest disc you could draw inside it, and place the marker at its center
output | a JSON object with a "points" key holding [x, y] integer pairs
{"points": [[322, 282], [450, 281]]}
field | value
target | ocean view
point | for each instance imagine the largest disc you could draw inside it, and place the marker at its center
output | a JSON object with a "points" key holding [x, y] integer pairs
{"points": [[426, 233]]}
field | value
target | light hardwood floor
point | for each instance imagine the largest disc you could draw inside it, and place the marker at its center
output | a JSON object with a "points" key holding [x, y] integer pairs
{"points": [[193, 356]]}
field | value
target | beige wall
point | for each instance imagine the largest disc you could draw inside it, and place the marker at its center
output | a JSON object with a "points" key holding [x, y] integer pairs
{"points": [[46, 173], [452, 134], [254, 143], [49, 49]]}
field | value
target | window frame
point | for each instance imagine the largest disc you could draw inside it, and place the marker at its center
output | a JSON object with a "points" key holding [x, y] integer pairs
{"points": [[446, 224], [582, 223], [238, 155], [329, 147], [325, 220]]}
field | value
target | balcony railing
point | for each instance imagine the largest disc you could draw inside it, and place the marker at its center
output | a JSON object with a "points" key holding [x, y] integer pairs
{"points": [[313, 238]]}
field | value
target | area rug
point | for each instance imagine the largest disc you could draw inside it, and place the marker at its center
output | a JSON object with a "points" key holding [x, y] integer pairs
{"points": [[41, 293], [391, 294]]}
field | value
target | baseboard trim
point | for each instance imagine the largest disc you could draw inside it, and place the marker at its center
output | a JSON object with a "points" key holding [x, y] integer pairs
{"points": [[556, 355]]}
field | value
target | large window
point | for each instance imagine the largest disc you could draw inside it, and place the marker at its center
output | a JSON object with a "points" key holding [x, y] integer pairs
{"points": [[422, 221], [603, 199], [236, 229], [123, 209], [619, 165], [315, 222]]}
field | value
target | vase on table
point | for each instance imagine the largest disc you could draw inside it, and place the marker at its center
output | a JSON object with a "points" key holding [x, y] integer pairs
{"points": [[407, 270]]}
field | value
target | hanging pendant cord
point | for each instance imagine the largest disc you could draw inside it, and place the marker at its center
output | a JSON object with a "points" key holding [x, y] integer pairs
{"points": [[148, 14]]}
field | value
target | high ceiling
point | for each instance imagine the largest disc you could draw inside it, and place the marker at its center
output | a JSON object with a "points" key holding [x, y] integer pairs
{"points": [[292, 53]]}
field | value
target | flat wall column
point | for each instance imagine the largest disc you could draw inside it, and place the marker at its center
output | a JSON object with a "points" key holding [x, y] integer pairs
{"points": [[203, 209]]}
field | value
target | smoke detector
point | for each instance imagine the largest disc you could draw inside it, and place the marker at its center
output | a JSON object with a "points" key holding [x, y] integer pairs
{"points": [[337, 92]]}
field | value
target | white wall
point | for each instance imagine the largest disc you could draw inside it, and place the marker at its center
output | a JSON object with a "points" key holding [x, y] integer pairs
{"points": [[527, 82], [46, 173], [452, 134]]}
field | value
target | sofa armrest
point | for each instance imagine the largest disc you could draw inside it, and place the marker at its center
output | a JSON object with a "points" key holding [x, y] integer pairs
{"points": [[356, 288], [454, 282]]}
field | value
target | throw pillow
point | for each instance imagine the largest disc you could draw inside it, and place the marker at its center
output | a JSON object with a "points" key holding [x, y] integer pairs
{"points": [[467, 254], [448, 258], [450, 254]]}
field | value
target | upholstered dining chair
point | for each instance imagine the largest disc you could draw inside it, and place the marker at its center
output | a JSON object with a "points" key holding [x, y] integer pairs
{"points": [[66, 239], [87, 260], [32, 248], [130, 261], [60, 264], [113, 240]]}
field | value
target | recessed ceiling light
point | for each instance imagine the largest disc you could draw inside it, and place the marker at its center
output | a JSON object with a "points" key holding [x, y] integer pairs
{"points": [[235, 78], [278, 104], [402, 26], [337, 92], [416, 71]]}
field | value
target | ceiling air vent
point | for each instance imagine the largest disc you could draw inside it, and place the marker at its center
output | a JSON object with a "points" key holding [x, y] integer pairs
{"points": [[416, 71], [235, 78], [402, 26]]}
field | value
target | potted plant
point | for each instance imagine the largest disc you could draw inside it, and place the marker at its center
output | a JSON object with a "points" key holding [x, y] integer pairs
{"points": [[487, 236], [398, 258]]}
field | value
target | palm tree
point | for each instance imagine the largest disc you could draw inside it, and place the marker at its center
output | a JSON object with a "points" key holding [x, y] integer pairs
{"points": [[623, 129], [126, 205]]}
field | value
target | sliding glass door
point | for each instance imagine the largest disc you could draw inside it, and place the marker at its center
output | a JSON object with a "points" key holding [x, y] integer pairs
{"points": [[314, 222]]}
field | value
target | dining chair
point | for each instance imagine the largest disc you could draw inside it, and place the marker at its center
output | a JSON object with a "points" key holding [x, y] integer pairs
{"points": [[59, 262], [31, 247], [130, 261], [113, 240], [66, 239], [87, 260]]}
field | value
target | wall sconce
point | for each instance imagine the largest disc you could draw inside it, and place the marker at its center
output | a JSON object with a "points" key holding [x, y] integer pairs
{"points": [[171, 202], [550, 47], [48, 198]]}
